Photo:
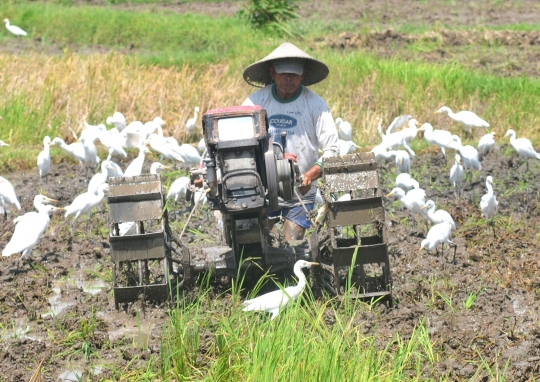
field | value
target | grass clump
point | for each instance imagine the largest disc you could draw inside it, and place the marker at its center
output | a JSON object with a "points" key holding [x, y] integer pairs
{"points": [[299, 345], [270, 15]]}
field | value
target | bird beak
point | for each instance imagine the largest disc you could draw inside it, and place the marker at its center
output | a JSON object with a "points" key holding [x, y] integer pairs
{"points": [[51, 200], [424, 206], [58, 208], [420, 250], [167, 167], [389, 194], [315, 264]]}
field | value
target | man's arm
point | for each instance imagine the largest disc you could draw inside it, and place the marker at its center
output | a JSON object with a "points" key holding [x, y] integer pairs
{"points": [[309, 177]]}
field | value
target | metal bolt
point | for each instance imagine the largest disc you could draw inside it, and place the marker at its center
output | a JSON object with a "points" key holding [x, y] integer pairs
{"points": [[244, 205], [253, 198]]}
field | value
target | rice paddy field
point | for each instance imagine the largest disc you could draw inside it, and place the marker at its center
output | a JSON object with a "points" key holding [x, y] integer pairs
{"points": [[477, 319]]}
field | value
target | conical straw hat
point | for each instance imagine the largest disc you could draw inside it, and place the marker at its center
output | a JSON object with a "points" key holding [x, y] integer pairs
{"points": [[314, 70]]}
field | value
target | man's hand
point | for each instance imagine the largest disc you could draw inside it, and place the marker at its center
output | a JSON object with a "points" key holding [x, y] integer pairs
{"points": [[290, 156], [311, 175]]}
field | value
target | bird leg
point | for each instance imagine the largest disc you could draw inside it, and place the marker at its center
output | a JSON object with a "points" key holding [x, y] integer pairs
{"points": [[455, 248]]}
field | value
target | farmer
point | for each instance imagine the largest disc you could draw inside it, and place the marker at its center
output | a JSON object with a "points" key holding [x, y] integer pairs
{"points": [[284, 76]]}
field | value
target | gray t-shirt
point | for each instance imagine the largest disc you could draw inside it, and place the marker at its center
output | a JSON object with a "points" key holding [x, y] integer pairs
{"points": [[308, 122]]}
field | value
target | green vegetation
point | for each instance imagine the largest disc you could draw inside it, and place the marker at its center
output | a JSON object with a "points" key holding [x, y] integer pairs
{"points": [[270, 15], [178, 61], [200, 60], [298, 345]]}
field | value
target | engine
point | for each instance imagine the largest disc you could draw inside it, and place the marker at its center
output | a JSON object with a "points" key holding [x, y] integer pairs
{"points": [[245, 179]]}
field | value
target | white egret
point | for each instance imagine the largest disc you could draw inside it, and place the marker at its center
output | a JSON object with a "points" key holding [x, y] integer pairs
{"points": [[344, 129], [136, 166], [14, 29], [75, 149], [118, 120], [29, 228], [441, 138], [156, 167], [110, 141], [487, 143], [321, 213], [84, 203], [398, 122], [99, 178], [190, 154], [346, 197], [133, 135], [456, 176], [406, 182], [382, 153], [191, 123], [438, 216], [128, 228], [400, 138], [201, 146], [523, 146], [90, 151], [44, 158], [167, 149], [90, 132], [468, 153], [178, 188], [3, 144], [467, 118], [277, 300], [411, 131], [199, 196], [438, 234], [346, 147], [8, 198], [403, 161], [319, 201], [413, 201], [151, 126], [114, 169], [488, 203]]}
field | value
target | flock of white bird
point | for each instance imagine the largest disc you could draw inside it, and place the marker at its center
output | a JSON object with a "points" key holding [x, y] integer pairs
{"points": [[395, 143], [30, 226]]}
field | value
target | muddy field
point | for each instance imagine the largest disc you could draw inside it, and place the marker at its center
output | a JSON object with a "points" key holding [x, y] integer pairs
{"points": [[66, 287], [60, 304]]}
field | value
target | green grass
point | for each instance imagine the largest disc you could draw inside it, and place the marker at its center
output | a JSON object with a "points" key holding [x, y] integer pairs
{"points": [[248, 346], [160, 33]]}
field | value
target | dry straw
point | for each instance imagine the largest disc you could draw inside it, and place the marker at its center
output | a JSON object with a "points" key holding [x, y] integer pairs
{"points": [[72, 89]]}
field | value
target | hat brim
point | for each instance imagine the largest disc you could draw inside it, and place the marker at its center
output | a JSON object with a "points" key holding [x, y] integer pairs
{"points": [[257, 74]]}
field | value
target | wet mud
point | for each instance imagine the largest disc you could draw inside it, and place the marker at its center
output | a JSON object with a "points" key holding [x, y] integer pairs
{"points": [[59, 304], [64, 287]]}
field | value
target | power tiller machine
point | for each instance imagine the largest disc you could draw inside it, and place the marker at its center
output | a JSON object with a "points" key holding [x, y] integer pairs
{"points": [[245, 178]]}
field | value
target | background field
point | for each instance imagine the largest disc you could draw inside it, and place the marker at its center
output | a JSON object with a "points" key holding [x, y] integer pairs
{"points": [[83, 60]]}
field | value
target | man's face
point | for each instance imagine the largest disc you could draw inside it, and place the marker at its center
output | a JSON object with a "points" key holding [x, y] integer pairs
{"points": [[287, 84]]}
